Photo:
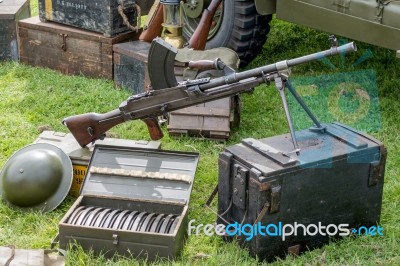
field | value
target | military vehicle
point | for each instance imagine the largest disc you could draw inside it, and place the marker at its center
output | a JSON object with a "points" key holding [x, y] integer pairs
{"points": [[243, 25]]}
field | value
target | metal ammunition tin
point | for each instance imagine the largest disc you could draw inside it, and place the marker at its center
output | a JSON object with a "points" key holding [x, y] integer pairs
{"points": [[80, 156], [133, 202]]}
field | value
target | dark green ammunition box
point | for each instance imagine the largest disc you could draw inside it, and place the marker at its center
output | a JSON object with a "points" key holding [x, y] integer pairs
{"points": [[336, 179], [99, 16], [133, 202], [130, 66], [10, 12]]}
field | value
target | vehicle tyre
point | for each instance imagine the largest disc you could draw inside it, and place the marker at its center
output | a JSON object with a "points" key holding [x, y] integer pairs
{"points": [[238, 27]]}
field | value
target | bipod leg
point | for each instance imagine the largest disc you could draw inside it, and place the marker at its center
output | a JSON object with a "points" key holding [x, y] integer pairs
{"points": [[304, 106], [280, 85]]}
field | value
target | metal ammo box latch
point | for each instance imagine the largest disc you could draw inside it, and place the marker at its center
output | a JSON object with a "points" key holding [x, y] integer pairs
{"points": [[240, 176], [273, 197]]}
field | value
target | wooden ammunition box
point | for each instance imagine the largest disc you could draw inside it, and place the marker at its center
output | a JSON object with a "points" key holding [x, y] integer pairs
{"points": [[10, 12], [133, 202], [336, 179], [68, 49], [80, 156], [99, 16]]}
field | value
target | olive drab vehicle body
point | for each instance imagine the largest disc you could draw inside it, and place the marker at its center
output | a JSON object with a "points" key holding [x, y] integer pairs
{"points": [[243, 25], [372, 21]]}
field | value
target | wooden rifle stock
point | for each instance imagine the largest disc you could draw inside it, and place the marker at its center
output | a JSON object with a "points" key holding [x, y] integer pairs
{"points": [[154, 27], [199, 38], [87, 128]]}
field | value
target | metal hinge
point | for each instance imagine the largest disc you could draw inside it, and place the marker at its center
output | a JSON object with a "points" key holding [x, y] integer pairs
{"points": [[275, 198], [239, 196], [115, 239], [240, 178], [273, 202], [64, 41], [342, 5], [374, 173]]}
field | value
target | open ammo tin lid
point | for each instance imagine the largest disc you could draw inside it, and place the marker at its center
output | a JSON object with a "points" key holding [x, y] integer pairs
{"points": [[140, 174]]}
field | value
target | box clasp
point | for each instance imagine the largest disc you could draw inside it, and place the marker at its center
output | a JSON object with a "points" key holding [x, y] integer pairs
{"points": [[115, 239], [374, 173], [239, 196], [274, 202], [275, 198]]}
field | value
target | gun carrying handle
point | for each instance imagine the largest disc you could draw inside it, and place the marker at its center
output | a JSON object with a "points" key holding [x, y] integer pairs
{"points": [[205, 64], [154, 128]]}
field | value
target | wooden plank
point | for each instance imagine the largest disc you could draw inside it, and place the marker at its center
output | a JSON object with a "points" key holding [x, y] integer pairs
{"points": [[203, 111], [73, 32], [211, 120]]}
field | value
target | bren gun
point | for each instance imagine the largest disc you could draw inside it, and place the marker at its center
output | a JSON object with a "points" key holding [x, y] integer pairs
{"points": [[147, 106]]}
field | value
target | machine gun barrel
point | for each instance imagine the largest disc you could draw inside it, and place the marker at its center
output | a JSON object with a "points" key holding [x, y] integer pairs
{"points": [[279, 66]]}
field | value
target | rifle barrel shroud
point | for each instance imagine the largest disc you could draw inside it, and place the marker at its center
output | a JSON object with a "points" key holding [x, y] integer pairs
{"points": [[87, 128]]}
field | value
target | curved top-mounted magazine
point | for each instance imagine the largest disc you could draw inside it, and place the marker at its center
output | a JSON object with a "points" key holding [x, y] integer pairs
{"points": [[161, 62]]}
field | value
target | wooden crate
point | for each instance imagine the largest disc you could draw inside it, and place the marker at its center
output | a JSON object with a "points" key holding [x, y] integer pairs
{"points": [[68, 49], [209, 120], [10, 12]]}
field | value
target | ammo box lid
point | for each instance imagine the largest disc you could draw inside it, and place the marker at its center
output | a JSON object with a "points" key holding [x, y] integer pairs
{"points": [[34, 23], [136, 49], [9, 8], [140, 174], [79, 155], [273, 155]]}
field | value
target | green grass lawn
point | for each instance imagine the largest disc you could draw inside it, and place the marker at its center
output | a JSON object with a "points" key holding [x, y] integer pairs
{"points": [[34, 98]]}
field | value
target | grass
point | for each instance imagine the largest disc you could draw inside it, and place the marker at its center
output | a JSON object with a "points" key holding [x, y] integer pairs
{"points": [[35, 98]]}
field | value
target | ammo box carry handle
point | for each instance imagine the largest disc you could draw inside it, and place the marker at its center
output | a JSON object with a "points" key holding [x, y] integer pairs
{"points": [[121, 8], [210, 200], [215, 192]]}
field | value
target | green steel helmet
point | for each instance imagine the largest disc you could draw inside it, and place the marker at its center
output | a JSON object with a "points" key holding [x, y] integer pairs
{"points": [[36, 177]]}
